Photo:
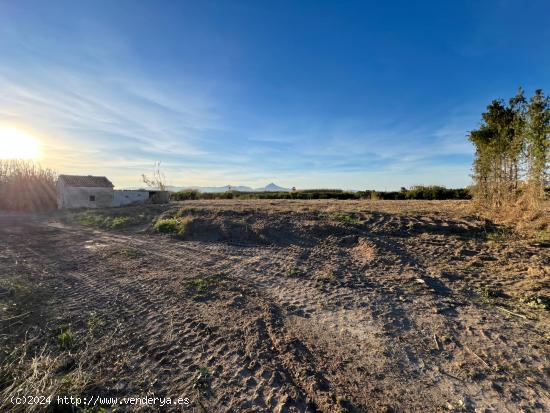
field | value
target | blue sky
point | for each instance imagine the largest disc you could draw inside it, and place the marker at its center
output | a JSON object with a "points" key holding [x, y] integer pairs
{"points": [[303, 93]]}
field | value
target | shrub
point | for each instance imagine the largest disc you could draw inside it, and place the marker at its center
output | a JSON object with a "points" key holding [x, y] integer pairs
{"points": [[186, 195], [172, 225], [167, 225]]}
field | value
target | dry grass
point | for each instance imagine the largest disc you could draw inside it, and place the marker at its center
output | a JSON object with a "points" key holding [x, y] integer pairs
{"points": [[27, 372], [26, 186], [531, 219]]}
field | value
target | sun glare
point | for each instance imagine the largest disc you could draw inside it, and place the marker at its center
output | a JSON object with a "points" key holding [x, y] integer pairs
{"points": [[17, 144]]}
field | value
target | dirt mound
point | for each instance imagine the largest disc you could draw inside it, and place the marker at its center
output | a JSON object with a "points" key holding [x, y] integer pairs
{"points": [[364, 251], [310, 228], [253, 227]]}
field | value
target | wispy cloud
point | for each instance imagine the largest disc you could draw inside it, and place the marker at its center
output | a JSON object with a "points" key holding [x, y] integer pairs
{"points": [[123, 126], [101, 115]]}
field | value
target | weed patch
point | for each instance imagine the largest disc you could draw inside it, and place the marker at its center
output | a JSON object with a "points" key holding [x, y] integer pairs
{"points": [[20, 288], [202, 382], [99, 220], [90, 219], [73, 383], [129, 253], [18, 292], [66, 338], [491, 293], [347, 218], [543, 236], [540, 302], [94, 322], [119, 222], [202, 288], [501, 235]]}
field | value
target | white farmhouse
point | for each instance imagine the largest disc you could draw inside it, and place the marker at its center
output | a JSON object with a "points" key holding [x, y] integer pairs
{"points": [[74, 191]]}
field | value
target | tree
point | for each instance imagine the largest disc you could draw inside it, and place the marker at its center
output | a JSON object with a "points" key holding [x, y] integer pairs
{"points": [[512, 143], [158, 180], [538, 142], [496, 153], [517, 106]]}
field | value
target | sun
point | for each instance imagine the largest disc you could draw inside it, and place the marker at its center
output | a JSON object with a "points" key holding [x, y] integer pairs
{"points": [[17, 144]]}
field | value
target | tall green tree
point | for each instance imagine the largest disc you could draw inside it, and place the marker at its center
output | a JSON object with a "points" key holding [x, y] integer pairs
{"points": [[538, 142], [497, 155], [512, 149], [516, 147]]}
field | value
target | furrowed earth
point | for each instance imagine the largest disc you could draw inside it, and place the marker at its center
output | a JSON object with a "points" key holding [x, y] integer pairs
{"points": [[284, 306]]}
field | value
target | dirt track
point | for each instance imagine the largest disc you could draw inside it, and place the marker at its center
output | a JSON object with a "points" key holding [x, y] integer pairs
{"points": [[383, 313]]}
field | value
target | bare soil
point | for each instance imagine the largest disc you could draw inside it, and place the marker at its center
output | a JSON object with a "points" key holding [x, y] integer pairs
{"points": [[284, 306]]}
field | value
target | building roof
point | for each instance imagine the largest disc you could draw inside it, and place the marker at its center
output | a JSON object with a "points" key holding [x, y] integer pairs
{"points": [[88, 181]]}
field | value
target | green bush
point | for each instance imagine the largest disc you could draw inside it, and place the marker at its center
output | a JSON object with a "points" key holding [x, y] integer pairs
{"points": [[167, 225], [172, 225], [186, 195]]}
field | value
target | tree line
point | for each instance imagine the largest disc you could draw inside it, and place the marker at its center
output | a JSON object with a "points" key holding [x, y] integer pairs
{"points": [[432, 192], [512, 150]]}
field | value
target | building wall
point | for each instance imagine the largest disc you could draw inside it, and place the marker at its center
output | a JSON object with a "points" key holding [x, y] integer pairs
{"points": [[125, 197], [159, 197], [60, 197], [73, 197]]}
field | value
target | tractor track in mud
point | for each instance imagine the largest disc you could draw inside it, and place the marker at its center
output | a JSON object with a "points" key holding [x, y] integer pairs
{"points": [[312, 392]]}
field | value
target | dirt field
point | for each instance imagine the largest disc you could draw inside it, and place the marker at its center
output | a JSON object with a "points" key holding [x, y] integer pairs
{"points": [[285, 306]]}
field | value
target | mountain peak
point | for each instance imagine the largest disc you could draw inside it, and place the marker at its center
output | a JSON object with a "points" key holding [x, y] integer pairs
{"points": [[274, 187]]}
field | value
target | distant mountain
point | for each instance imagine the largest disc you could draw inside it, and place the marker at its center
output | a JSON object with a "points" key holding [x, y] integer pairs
{"points": [[222, 188], [241, 188], [273, 188]]}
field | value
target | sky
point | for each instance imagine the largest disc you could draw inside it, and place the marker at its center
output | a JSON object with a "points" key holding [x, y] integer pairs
{"points": [[312, 94]]}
